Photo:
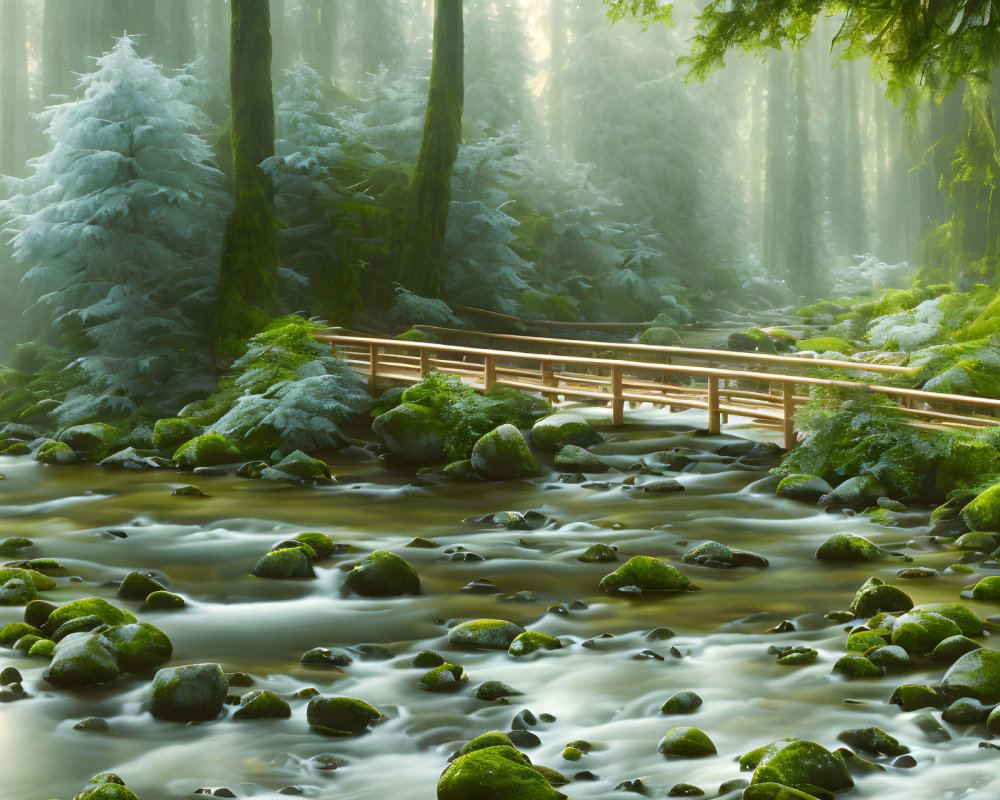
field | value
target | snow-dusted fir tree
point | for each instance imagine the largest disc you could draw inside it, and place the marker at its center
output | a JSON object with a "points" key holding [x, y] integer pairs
{"points": [[119, 229]]}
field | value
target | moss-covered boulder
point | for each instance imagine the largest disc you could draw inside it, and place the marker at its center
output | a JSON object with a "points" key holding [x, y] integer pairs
{"points": [[52, 452], [17, 590], [857, 668], [919, 632], [323, 546], [558, 430], [81, 660], [682, 703], [774, 791], [645, 574], [498, 773], [875, 595], [914, 696], [983, 512], [87, 607], [171, 433], [803, 765], [341, 716], [190, 693], [138, 586], [598, 553], [164, 601], [207, 450], [488, 634], [803, 488], [481, 742], [858, 492], [106, 786], [139, 646], [262, 705], [297, 467], [826, 344], [443, 678], [93, 440], [285, 563], [502, 454], [976, 674], [576, 459], [845, 547], [953, 647], [411, 433], [686, 743], [963, 616], [382, 574], [13, 631], [532, 641]]}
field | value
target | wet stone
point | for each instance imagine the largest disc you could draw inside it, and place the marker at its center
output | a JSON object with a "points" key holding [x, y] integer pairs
{"points": [[495, 690], [479, 586], [95, 724], [682, 703], [685, 790]]}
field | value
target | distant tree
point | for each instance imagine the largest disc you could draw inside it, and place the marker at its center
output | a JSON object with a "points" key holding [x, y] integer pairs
{"points": [[119, 228], [248, 278], [419, 258], [13, 86]]}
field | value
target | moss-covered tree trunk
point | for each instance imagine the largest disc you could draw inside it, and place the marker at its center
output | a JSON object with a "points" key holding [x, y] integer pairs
{"points": [[248, 276], [418, 262]]}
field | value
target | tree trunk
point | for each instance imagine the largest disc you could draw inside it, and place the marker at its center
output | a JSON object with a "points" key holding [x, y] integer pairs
{"points": [[557, 68], [56, 78], [777, 209], [419, 261], [13, 88], [248, 277], [175, 41]]}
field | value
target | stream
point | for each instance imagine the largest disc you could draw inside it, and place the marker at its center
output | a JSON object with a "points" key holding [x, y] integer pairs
{"points": [[604, 689]]}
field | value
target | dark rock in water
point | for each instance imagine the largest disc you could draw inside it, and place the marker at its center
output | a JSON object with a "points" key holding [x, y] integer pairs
{"points": [[298, 467], [239, 679], [422, 543], [77, 625], [796, 656], [686, 743], [188, 491], [444, 678], [138, 586], [139, 646], [682, 703], [685, 790], [561, 429], [503, 454], [636, 786], [844, 547], [382, 574], [914, 696], [523, 739], [37, 612], [662, 486], [667, 461], [494, 690], [426, 659], [262, 705], [660, 634], [523, 720], [189, 693], [966, 711], [9, 675], [733, 785], [876, 595], [577, 459], [14, 545], [96, 724], [647, 655], [801, 765], [857, 493], [598, 553], [977, 675], [490, 634], [499, 773], [209, 472], [874, 741], [372, 652], [890, 658], [803, 488], [532, 641], [341, 716], [164, 601], [411, 433]]}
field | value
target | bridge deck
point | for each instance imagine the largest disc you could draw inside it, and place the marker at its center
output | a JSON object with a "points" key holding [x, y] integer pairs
{"points": [[766, 389]]}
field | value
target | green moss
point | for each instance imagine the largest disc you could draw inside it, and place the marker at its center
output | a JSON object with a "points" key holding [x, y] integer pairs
{"points": [[918, 632], [976, 674], [138, 586], [81, 660], [490, 634], [844, 547], [983, 512], [856, 668], [645, 574], [913, 697], [91, 606], [499, 773], [341, 716], [821, 307], [171, 433], [503, 454], [802, 765], [443, 678], [164, 601], [686, 743], [52, 452], [139, 646], [207, 450], [532, 641], [322, 545], [382, 574], [190, 693], [481, 742], [12, 631], [682, 703], [555, 431], [826, 343], [262, 705], [661, 337]]}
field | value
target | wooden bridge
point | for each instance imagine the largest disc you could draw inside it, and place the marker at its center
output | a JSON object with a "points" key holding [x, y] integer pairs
{"points": [[765, 389]]}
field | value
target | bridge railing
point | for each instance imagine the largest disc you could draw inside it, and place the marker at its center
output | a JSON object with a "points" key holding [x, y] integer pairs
{"points": [[771, 400]]}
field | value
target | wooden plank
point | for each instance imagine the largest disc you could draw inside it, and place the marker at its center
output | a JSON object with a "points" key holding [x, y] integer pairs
{"points": [[617, 404], [714, 420], [788, 412]]}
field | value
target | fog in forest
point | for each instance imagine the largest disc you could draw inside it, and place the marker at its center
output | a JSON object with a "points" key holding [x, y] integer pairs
{"points": [[592, 181]]}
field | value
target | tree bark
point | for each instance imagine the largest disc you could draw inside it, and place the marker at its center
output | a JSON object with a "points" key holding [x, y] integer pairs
{"points": [[248, 276], [419, 261]]}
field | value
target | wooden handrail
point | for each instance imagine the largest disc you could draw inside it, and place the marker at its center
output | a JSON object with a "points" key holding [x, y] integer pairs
{"points": [[685, 351]]}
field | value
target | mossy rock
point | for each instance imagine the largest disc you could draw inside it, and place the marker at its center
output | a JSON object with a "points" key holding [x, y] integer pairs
{"points": [[976, 674], [411, 433], [753, 340], [860, 641], [443, 678], [983, 512], [822, 307], [858, 492], [17, 592], [190, 693], [94, 440], [503, 454], [873, 741], [576, 459], [13, 631], [88, 607], [686, 743], [914, 696], [774, 791], [826, 344], [341, 716], [43, 648], [558, 430], [106, 786], [953, 648], [857, 668], [138, 586], [262, 705], [645, 574], [489, 634], [171, 433], [844, 547], [323, 546], [498, 773], [382, 574], [164, 601], [139, 646], [286, 563], [25, 643], [919, 632], [491, 691], [13, 545], [532, 641], [803, 488], [481, 742], [81, 660], [682, 703], [207, 450], [875, 595], [56, 453], [297, 467], [598, 554], [803, 765]]}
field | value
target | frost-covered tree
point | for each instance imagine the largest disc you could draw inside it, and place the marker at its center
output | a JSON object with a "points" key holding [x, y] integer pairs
{"points": [[119, 228]]}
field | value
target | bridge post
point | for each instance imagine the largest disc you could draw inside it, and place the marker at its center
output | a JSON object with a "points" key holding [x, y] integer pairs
{"points": [[788, 409], [548, 379], [425, 361], [489, 373], [714, 417], [373, 367], [617, 402]]}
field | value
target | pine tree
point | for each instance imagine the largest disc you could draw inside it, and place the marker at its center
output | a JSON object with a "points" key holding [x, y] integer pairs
{"points": [[119, 227]]}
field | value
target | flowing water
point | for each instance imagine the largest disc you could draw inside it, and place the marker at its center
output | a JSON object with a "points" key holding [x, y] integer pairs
{"points": [[204, 549]]}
